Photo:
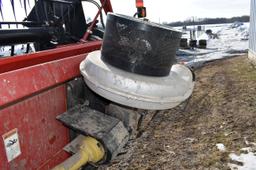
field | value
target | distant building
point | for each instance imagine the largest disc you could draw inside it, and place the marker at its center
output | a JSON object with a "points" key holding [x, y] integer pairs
{"points": [[252, 42]]}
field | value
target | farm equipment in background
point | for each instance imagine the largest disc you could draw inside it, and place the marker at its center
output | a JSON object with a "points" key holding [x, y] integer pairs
{"points": [[69, 103], [51, 24]]}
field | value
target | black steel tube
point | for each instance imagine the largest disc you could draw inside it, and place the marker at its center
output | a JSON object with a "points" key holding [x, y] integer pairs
{"points": [[23, 36], [12, 50], [22, 22]]}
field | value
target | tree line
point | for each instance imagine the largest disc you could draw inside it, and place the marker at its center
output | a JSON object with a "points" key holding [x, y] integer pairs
{"points": [[203, 21]]}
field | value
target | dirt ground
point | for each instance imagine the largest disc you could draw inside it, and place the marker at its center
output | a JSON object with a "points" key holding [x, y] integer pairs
{"points": [[222, 109]]}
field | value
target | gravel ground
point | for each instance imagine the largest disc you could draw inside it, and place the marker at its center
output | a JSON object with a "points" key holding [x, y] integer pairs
{"points": [[222, 110]]}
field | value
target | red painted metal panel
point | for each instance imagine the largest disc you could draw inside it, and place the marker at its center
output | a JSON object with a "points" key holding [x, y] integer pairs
{"points": [[17, 62], [17, 84], [41, 136], [108, 6]]}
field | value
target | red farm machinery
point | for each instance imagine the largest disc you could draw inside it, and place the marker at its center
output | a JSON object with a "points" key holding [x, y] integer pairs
{"points": [[79, 91]]}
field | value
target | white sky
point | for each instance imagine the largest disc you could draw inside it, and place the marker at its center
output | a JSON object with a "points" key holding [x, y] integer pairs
{"points": [[175, 10], [161, 10]]}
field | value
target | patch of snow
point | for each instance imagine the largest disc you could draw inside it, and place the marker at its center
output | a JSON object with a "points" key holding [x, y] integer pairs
{"points": [[221, 147], [236, 24], [248, 149], [232, 40], [246, 161], [203, 36], [5, 51]]}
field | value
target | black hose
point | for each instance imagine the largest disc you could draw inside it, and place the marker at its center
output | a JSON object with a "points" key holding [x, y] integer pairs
{"points": [[136, 14]]}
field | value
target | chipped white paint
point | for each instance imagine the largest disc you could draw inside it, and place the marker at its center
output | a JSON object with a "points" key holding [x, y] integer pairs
{"points": [[138, 91]]}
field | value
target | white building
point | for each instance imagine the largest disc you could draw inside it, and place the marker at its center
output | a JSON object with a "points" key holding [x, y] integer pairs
{"points": [[252, 42]]}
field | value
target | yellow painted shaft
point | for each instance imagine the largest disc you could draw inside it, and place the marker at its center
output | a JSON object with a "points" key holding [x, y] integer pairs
{"points": [[90, 151]]}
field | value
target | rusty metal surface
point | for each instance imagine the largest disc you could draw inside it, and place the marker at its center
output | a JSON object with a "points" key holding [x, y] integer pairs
{"points": [[109, 130], [88, 121], [41, 136], [129, 116]]}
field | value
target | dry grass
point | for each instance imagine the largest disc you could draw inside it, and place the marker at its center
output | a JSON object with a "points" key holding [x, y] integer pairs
{"points": [[222, 110]]}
